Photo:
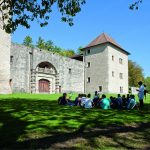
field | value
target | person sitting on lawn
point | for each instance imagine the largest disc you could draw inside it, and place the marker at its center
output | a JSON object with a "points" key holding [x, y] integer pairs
{"points": [[83, 99], [77, 101], [132, 102], [95, 99], [63, 99], [124, 101], [88, 102], [119, 102], [105, 103]]}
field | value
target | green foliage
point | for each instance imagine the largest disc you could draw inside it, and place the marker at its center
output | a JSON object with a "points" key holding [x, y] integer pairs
{"points": [[135, 73], [147, 83], [28, 41], [48, 46], [79, 50], [135, 5], [40, 43], [22, 12]]}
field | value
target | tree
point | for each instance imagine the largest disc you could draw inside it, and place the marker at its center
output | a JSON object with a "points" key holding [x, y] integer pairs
{"points": [[135, 5], [28, 41], [135, 73], [49, 45], [22, 12], [40, 43], [68, 53], [147, 83], [79, 50]]}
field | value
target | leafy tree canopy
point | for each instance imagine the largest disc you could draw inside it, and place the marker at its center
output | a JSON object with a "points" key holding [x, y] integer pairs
{"points": [[147, 83], [21, 12], [28, 41], [135, 73], [48, 46]]}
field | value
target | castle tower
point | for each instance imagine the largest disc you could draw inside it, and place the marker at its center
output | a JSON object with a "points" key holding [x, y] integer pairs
{"points": [[106, 66], [5, 43]]}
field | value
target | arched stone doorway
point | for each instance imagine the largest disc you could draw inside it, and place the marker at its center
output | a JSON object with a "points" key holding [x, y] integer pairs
{"points": [[44, 86], [46, 78]]}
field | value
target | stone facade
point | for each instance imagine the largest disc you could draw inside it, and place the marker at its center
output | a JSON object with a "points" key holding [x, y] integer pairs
{"points": [[106, 66], [5, 42], [29, 66]]}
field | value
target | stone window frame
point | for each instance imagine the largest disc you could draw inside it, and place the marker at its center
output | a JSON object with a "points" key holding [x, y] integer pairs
{"points": [[112, 58], [113, 74], [121, 89], [100, 88], [120, 61], [11, 59], [69, 70], [88, 80], [121, 75], [88, 65]]}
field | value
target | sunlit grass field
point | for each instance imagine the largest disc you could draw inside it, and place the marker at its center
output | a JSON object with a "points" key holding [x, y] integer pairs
{"points": [[34, 121]]}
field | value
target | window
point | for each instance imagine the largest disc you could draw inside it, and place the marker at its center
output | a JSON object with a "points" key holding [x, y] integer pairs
{"points": [[113, 74], [120, 60], [69, 70], [121, 75], [88, 65], [100, 88], [88, 80], [88, 51], [112, 58], [121, 89], [11, 59]]}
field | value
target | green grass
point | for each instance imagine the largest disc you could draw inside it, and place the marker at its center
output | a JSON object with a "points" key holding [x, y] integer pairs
{"points": [[33, 121]]}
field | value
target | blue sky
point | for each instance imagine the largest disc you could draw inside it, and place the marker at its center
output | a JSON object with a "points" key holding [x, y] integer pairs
{"points": [[130, 29]]}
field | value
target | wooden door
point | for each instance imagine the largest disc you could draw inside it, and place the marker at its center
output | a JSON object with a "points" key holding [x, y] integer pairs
{"points": [[44, 86]]}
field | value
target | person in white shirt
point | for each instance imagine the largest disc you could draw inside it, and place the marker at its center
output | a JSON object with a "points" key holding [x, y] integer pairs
{"points": [[88, 102], [141, 93]]}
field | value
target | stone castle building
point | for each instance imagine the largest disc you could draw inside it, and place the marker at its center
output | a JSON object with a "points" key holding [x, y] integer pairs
{"points": [[103, 67]]}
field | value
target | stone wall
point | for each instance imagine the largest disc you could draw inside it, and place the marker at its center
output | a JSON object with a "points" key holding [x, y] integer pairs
{"points": [[98, 70], [25, 61], [115, 82], [5, 41]]}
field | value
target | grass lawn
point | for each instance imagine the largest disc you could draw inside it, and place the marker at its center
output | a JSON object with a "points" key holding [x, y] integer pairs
{"points": [[38, 122]]}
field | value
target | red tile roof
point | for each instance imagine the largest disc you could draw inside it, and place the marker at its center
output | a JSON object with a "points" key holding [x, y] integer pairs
{"points": [[102, 39]]}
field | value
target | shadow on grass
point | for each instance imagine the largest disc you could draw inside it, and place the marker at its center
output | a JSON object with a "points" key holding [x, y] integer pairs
{"points": [[41, 124]]}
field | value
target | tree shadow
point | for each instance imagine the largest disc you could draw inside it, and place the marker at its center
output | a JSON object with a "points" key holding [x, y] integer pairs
{"points": [[56, 125]]}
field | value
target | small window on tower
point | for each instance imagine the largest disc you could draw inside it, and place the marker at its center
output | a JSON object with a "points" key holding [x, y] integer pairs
{"points": [[11, 59], [112, 58], [88, 65], [100, 88], [120, 60], [88, 80], [121, 89], [121, 75], [69, 70], [113, 74]]}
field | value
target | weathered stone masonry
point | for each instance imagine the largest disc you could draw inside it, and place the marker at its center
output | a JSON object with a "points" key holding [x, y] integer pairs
{"points": [[64, 74]]}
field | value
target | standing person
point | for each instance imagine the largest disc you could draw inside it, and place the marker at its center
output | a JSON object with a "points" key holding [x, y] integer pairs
{"points": [[141, 93]]}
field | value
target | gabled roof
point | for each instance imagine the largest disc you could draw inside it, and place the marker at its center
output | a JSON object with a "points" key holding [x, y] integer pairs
{"points": [[102, 39]]}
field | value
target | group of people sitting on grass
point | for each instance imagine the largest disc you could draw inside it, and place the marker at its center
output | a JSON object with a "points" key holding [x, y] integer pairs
{"points": [[83, 100]]}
